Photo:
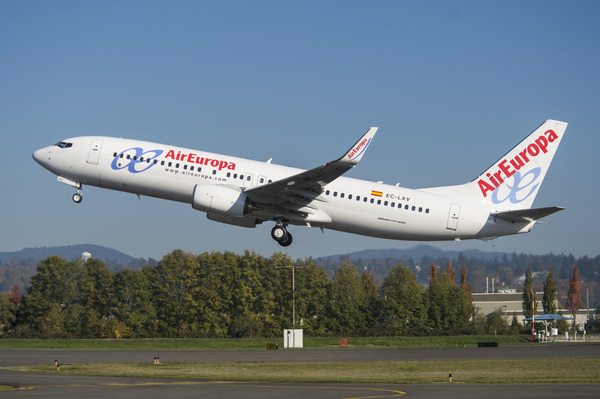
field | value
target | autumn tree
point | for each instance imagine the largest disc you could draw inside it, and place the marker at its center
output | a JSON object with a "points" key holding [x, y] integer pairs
{"points": [[463, 282], [433, 274], [574, 297]]}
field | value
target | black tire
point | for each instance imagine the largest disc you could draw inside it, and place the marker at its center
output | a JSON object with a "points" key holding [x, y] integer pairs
{"points": [[287, 242], [279, 233]]}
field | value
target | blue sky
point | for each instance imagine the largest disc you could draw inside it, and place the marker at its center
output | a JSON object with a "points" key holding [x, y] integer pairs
{"points": [[452, 85]]}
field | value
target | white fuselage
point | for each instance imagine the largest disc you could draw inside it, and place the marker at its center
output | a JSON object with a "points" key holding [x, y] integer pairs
{"points": [[346, 204]]}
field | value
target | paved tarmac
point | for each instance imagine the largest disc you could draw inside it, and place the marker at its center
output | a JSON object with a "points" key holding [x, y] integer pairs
{"points": [[52, 385]]}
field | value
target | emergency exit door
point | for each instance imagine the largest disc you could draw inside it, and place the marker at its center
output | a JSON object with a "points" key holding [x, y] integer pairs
{"points": [[453, 215]]}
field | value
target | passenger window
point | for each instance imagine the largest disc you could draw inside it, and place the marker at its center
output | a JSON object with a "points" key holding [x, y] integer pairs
{"points": [[327, 192], [349, 196], [413, 208], [427, 210], [214, 172], [335, 193], [385, 203], [378, 202], [342, 195], [372, 200]]}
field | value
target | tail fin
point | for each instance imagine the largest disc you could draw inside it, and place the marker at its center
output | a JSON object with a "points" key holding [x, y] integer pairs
{"points": [[514, 180]]}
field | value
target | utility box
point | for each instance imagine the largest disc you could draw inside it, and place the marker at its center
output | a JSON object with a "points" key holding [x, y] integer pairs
{"points": [[293, 338]]}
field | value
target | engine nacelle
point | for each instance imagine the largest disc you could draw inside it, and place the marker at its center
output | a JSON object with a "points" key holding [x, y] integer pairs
{"points": [[219, 199]]}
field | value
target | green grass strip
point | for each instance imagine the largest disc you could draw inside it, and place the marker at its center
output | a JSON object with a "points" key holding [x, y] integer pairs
{"points": [[258, 343], [569, 370]]}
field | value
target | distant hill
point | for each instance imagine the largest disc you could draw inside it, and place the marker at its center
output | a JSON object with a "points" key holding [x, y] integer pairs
{"points": [[17, 267], [68, 252], [416, 253]]}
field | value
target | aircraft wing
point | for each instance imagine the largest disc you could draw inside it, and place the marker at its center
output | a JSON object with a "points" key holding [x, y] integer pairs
{"points": [[527, 215], [306, 186]]}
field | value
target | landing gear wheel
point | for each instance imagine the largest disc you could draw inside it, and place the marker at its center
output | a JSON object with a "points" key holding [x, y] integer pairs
{"points": [[279, 233], [77, 198], [287, 241]]}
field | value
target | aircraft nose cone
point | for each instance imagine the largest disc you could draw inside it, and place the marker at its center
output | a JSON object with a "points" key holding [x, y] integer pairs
{"points": [[41, 156]]}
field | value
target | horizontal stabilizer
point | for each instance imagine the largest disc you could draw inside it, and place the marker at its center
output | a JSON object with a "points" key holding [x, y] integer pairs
{"points": [[527, 215]]}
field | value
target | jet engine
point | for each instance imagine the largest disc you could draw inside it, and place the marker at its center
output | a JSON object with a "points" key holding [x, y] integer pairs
{"points": [[219, 199]]}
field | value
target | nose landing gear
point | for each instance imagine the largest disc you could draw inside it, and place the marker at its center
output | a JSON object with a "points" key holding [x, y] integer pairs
{"points": [[78, 197], [281, 235]]}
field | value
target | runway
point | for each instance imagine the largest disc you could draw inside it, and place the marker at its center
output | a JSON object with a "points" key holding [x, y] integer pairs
{"points": [[54, 385]]}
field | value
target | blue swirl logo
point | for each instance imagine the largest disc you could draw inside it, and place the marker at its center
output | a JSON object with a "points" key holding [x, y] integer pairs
{"points": [[135, 159], [528, 181]]}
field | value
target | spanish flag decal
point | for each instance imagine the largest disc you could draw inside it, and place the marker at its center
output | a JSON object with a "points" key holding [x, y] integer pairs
{"points": [[376, 193]]}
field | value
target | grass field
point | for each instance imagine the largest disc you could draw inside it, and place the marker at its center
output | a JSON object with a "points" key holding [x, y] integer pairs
{"points": [[259, 343], [570, 370], [583, 370]]}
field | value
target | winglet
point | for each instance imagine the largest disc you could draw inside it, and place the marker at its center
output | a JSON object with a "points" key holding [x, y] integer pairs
{"points": [[356, 152]]}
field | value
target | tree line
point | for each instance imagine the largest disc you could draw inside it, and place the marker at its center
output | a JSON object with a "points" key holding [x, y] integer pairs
{"points": [[223, 294]]}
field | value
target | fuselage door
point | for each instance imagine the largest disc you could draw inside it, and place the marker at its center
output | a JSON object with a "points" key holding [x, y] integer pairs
{"points": [[94, 154], [453, 215]]}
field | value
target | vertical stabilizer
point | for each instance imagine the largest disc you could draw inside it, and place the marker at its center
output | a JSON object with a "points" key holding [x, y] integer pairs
{"points": [[514, 180]]}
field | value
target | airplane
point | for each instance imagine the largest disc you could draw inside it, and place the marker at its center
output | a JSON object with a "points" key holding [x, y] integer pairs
{"points": [[245, 193]]}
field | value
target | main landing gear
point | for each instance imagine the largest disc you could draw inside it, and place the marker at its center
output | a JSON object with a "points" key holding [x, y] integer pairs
{"points": [[281, 235]]}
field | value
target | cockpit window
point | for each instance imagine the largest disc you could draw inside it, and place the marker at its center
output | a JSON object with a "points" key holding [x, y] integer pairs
{"points": [[63, 144]]}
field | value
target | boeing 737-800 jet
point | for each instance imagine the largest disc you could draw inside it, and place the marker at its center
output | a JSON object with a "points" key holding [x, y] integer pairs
{"points": [[245, 193]]}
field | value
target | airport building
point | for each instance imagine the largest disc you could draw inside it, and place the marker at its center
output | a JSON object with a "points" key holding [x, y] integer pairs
{"points": [[511, 304]]}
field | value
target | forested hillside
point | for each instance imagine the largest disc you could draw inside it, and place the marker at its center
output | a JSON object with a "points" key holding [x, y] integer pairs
{"points": [[228, 295], [507, 270], [17, 267]]}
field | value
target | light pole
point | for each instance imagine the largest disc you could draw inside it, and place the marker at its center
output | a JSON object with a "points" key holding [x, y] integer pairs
{"points": [[293, 267]]}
